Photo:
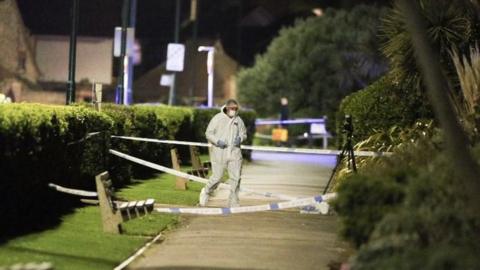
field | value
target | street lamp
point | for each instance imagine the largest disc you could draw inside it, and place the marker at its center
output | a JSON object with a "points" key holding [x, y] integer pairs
{"points": [[72, 54], [210, 70]]}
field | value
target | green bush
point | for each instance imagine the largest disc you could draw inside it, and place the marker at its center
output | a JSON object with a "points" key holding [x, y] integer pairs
{"points": [[119, 169], [147, 121], [379, 188], [160, 122], [35, 150], [380, 107], [407, 210], [435, 227], [201, 118], [315, 63], [364, 201]]}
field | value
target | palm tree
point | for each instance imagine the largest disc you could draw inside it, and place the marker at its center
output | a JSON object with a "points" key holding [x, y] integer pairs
{"points": [[449, 24]]}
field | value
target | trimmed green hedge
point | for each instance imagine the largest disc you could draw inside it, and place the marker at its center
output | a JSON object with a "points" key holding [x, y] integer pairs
{"points": [[148, 122], [34, 151], [36, 148], [379, 107]]}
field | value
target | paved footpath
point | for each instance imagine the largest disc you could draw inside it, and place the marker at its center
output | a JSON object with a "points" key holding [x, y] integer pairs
{"points": [[265, 240]]}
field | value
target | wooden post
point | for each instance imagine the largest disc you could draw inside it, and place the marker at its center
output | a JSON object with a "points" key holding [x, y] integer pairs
{"points": [[197, 166], [181, 182], [111, 218], [196, 162], [97, 96]]}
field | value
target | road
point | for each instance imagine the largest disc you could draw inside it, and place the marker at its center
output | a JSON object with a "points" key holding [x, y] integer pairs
{"points": [[265, 240]]}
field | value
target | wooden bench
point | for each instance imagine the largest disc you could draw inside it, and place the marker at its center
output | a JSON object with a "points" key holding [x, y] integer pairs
{"points": [[130, 210], [198, 168], [114, 214]]}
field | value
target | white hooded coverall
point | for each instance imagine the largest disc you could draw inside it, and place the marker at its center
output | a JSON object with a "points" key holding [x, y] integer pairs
{"points": [[226, 129]]}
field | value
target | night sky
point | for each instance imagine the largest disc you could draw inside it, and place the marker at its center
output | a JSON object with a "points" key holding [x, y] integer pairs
{"points": [[155, 22]]}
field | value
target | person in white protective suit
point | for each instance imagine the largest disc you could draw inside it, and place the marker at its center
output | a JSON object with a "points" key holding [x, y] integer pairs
{"points": [[226, 132]]}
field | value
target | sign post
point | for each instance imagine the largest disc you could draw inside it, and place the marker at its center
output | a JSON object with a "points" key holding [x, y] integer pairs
{"points": [[210, 70], [175, 62], [97, 96]]}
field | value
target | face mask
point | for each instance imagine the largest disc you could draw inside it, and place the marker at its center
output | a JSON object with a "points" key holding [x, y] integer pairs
{"points": [[231, 113]]}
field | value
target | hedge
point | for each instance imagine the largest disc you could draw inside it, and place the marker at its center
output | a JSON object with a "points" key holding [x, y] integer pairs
{"points": [[34, 151], [148, 122], [379, 107], [36, 148], [408, 211]]}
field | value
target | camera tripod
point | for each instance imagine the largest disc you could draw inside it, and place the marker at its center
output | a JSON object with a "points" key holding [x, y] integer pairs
{"points": [[347, 150]]}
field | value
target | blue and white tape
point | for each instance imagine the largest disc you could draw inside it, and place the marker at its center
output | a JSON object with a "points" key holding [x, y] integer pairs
{"points": [[77, 192], [289, 122], [193, 177], [260, 148], [244, 209], [88, 136]]}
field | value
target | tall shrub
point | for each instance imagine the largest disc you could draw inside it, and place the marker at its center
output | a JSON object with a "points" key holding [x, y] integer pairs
{"points": [[40, 144], [316, 63]]}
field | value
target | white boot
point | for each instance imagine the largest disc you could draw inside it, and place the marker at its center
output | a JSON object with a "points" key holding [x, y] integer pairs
{"points": [[203, 199]]}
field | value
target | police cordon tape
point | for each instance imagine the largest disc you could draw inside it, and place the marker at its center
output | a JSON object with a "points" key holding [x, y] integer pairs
{"points": [[84, 193], [263, 136], [72, 191], [88, 136], [310, 201], [247, 209], [290, 203], [193, 177], [260, 148], [289, 122]]}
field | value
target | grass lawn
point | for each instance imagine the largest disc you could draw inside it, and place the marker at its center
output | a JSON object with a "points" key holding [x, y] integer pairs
{"points": [[79, 242], [162, 189]]}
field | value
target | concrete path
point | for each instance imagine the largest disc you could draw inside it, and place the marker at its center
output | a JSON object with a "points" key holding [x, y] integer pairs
{"points": [[266, 240]]}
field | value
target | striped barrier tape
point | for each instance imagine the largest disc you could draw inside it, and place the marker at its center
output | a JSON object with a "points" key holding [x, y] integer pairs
{"points": [[88, 136], [72, 191], [162, 141], [299, 137], [261, 148], [292, 121], [290, 203], [311, 204], [244, 209], [193, 177], [263, 136]]}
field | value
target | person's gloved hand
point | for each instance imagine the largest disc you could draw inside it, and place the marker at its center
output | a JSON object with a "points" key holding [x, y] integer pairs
{"points": [[221, 144], [237, 141]]}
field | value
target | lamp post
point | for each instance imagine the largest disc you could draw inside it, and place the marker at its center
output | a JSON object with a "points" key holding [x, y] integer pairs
{"points": [[72, 54], [210, 70], [176, 38], [124, 93]]}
